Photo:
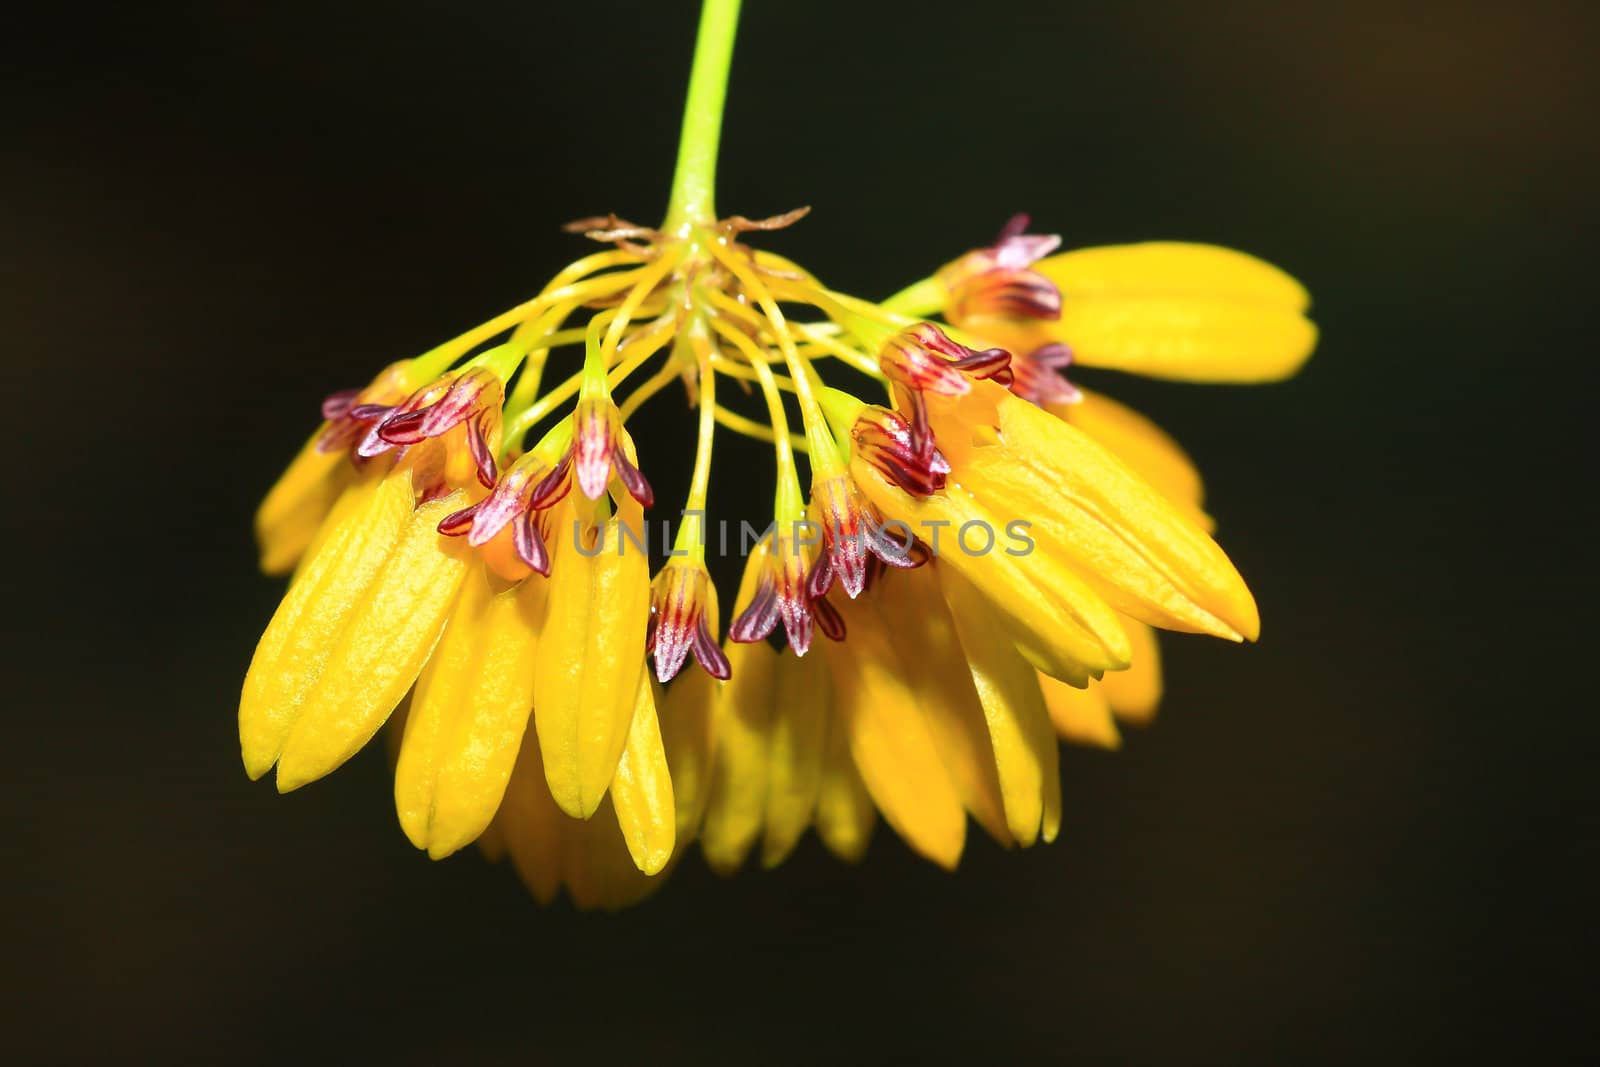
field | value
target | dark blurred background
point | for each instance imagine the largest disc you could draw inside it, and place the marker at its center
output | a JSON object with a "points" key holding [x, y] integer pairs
{"points": [[1358, 840]]}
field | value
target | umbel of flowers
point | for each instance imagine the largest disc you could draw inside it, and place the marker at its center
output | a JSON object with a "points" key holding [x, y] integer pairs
{"points": [[465, 538]]}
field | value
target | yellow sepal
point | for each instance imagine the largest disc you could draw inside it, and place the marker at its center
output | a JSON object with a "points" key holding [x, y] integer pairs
{"points": [[1169, 309], [795, 741], [890, 741], [1147, 449], [590, 657], [736, 799], [550, 850], [1062, 626], [912, 615], [355, 498], [296, 505], [598, 869], [641, 791], [1129, 542], [845, 815], [296, 644], [685, 713], [380, 648], [350, 635], [532, 824], [492, 842], [1134, 694], [1023, 744], [1081, 716], [468, 714]]}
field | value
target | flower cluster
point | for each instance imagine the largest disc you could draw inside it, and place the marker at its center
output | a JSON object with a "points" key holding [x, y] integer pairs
{"points": [[444, 550]]}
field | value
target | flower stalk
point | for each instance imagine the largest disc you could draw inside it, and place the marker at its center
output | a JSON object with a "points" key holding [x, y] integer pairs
{"points": [[694, 181], [509, 588]]}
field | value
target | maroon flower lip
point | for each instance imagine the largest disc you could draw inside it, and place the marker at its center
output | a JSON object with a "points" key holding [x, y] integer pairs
{"points": [[679, 625], [852, 535], [885, 439], [596, 452], [999, 282], [921, 362], [924, 359], [1039, 379], [782, 595], [511, 503], [472, 399]]}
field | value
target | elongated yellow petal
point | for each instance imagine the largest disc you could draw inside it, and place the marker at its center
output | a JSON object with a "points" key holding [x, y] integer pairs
{"points": [[1146, 448], [890, 741], [845, 815], [438, 703], [1134, 694], [532, 824], [1080, 715], [470, 709], [394, 732], [1180, 268], [492, 842], [380, 650], [1050, 820], [794, 752], [298, 641], [913, 616], [1130, 543], [1013, 706], [589, 660], [295, 507], [641, 791], [686, 714], [355, 498], [738, 787], [1056, 619], [1175, 310], [597, 867]]}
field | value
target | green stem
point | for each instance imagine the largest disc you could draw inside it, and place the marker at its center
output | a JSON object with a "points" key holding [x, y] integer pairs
{"points": [[694, 181], [918, 300]]}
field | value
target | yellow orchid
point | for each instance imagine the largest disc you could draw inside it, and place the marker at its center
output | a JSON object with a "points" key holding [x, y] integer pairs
{"points": [[1164, 309], [983, 550], [778, 760]]}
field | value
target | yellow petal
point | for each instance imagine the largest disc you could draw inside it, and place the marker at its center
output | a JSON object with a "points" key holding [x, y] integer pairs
{"points": [[380, 650], [298, 641], [685, 714], [1134, 694], [738, 788], [492, 842], [296, 505], [1080, 715], [1019, 724], [589, 661], [845, 815], [913, 616], [1146, 448], [794, 752], [598, 869], [1174, 310], [890, 741], [1061, 625], [533, 824], [1050, 824], [468, 714], [1130, 543], [355, 498], [641, 791], [394, 732]]}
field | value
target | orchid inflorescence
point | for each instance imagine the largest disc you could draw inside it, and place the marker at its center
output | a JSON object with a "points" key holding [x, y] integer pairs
{"points": [[466, 531]]}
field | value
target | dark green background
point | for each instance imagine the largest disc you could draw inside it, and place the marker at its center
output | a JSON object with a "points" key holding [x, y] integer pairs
{"points": [[1357, 841]]}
